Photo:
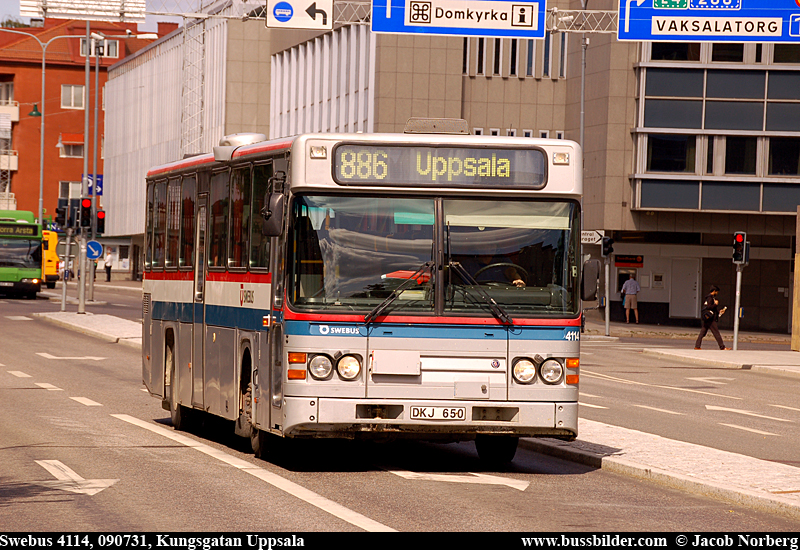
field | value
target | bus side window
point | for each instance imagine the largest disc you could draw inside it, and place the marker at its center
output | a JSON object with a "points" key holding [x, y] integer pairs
{"points": [[160, 225], [259, 244], [218, 223], [239, 243], [173, 221], [148, 245], [188, 188]]}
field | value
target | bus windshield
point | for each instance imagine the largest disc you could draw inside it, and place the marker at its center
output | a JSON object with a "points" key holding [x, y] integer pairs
{"points": [[25, 253], [351, 254]]}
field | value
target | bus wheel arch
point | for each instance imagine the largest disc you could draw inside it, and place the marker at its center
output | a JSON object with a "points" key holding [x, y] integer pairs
{"points": [[177, 412]]}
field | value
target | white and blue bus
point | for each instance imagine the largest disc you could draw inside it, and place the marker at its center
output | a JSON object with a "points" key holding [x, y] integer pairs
{"points": [[422, 285]]}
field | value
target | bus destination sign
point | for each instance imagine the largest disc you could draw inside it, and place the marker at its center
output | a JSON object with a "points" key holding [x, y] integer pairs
{"points": [[17, 230], [401, 165]]}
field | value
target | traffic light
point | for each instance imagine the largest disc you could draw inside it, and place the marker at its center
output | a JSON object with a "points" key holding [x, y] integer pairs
{"points": [[86, 212], [739, 240], [608, 247], [61, 216], [101, 221]]}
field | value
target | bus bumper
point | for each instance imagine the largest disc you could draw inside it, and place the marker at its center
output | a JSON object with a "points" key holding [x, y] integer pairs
{"points": [[25, 286], [323, 417]]}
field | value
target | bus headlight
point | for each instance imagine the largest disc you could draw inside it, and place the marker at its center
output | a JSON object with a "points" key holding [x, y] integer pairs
{"points": [[320, 367], [349, 367], [524, 371], [551, 371]]}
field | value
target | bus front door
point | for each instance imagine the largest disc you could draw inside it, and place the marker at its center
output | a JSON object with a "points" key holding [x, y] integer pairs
{"points": [[198, 328]]}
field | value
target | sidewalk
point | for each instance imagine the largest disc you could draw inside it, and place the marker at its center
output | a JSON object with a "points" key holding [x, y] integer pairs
{"points": [[759, 484]]}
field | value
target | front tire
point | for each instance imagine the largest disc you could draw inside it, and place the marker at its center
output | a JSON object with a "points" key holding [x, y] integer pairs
{"points": [[496, 450]]}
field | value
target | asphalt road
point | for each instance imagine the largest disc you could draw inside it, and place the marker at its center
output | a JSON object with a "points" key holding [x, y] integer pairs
{"points": [[73, 415]]}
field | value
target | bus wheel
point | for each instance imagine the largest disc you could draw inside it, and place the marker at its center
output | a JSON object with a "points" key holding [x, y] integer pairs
{"points": [[51, 284], [258, 438], [496, 449], [178, 413]]}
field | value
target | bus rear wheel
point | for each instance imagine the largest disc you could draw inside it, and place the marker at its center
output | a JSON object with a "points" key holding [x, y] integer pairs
{"points": [[177, 412], [496, 449]]}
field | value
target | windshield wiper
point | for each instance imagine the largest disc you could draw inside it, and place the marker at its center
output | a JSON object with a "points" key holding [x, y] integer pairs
{"points": [[372, 315], [496, 309]]}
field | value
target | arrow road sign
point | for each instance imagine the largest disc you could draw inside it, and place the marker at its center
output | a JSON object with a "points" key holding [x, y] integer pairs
{"points": [[592, 237], [300, 14], [94, 250], [68, 480]]}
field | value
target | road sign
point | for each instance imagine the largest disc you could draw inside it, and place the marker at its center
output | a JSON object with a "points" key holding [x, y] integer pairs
{"points": [[94, 250], [97, 188], [709, 20], [592, 237], [498, 18], [300, 14]]}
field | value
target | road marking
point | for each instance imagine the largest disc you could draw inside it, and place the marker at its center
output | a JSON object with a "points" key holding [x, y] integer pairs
{"points": [[759, 432], [711, 379], [658, 410], [19, 374], [68, 480], [785, 407], [483, 479], [122, 305], [88, 357], [590, 395], [747, 413], [86, 401], [329, 506], [47, 386], [18, 318], [144, 390], [590, 406], [591, 374]]}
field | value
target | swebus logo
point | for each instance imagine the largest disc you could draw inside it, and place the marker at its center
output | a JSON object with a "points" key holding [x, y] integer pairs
{"points": [[343, 331], [246, 296]]}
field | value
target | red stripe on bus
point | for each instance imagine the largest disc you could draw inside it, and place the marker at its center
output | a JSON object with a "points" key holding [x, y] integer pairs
{"points": [[169, 275], [186, 163], [261, 148], [422, 320], [225, 277]]}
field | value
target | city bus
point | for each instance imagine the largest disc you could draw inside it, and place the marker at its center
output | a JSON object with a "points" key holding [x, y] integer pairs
{"points": [[20, 253], [418, 285], [50, 258]]}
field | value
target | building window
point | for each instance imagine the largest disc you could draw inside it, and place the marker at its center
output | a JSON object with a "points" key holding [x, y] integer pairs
{"points": [[479, 58], [69, 189], [511, 132], [560, 134], [477, 131], [529, 62], [105, 48], [494, 131], [527, 133], [512, 57], [562, 63], [675, 51], [726, 52], [786, 53], [465, 56], [498, 56], [670, 194], [740, 155], [548, 47], [784, 157], [71, 150], [544, 134], [671, 153], [6, 93], [71, 96]]}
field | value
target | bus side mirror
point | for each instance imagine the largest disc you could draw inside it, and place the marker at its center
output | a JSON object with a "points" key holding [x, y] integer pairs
{"points": [[272, 212], [589, 281]]}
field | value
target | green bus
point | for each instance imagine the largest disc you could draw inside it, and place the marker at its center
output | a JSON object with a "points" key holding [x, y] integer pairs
{"points": [[20, 253]]}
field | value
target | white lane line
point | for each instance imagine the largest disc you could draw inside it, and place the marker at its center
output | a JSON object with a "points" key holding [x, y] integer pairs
{"points": [[122, 305], [18, 318], [590, 395], [144, 390], [581, 404], [759, 432], [298, 491], [785, 407], [746, 413], [591, 374], [86, 401], [47, 386], [86, 357], [658, 410], [711, 379], [19, 374]]}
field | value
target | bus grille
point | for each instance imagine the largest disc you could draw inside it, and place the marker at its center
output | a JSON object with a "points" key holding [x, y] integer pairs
{"points": [[145, 305]]}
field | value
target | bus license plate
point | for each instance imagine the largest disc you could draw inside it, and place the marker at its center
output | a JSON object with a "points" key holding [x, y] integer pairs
{"points": [[438, 413]]}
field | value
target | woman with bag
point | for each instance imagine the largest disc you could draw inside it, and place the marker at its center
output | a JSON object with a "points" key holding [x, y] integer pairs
{"points": [[709, 315]]}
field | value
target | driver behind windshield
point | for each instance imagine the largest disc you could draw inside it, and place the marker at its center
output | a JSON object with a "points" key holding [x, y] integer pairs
{"points": [[489, 266]]}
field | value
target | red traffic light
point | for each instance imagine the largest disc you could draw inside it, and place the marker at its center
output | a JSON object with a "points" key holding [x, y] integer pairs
{"points": [[739, 238], [86, 203], [101, 214]]}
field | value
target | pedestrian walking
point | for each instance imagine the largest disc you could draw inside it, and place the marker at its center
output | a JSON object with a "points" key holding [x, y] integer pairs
{"points": [[630, 289], [108, 266], [709, 316]]}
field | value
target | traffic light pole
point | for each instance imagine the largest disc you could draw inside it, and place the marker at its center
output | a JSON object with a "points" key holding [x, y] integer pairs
{"points": [[66, 270], [739, 269], [84, 181], [608, 296]]}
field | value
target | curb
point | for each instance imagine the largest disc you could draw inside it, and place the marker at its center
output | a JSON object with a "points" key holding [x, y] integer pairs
{"points": [[83, 330], [784, 370], [751, 499], [595, 338]]}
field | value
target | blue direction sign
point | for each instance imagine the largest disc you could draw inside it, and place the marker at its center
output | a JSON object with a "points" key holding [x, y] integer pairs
{"points": [[495, 18], [97, 188], [710, 20], [94, 250]]}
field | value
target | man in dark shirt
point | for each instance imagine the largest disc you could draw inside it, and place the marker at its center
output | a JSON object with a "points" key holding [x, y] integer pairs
{"points": [[709, 315]]}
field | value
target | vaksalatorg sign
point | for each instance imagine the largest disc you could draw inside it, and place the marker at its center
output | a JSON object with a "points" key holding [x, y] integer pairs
{"points": [[710, 20], [498, 18]]}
